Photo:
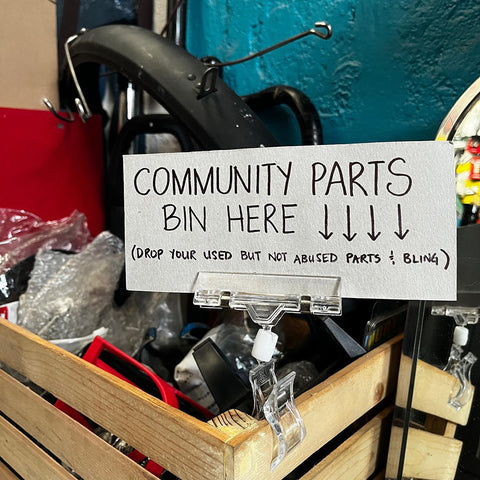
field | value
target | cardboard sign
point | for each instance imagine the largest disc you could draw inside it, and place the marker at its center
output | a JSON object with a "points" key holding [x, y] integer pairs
{"points": [[380, 216]]}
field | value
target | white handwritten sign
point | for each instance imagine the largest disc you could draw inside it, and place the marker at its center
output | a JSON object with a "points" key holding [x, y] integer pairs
{"points": [[380, 216]]}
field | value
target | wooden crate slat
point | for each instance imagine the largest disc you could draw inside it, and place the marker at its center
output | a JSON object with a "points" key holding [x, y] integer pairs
{"points": [[26, 458], [6, 473], [428, 456], [432, 390], [233, 422], [234, 446], [182, 444], [357, 457], [62, 435], [440, 426], [326, 409]]}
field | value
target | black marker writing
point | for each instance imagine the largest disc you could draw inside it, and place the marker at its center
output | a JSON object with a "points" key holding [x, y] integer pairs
{"points": [[355, 178], [267, 178], [267, 218]]}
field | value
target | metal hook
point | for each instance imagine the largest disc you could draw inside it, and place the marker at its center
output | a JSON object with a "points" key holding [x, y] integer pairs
{"points": [[209, 80], [312, 31], [80, 103], [48, 104], [215, 65]]}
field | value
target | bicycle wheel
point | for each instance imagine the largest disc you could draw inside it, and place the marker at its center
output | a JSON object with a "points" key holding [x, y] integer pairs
{"points": [[214, 115]]}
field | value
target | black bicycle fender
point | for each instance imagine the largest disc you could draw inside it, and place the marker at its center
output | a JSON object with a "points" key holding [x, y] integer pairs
{"points": [[217, 120]]}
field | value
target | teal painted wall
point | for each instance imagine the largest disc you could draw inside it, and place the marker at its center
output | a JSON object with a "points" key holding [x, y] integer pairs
{"points": [[390, 71]]}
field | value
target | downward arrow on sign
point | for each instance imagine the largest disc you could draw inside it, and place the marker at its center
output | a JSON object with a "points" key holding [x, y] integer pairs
{"points": [[325, 234], [348, 235], [372, 233], [400, 234]]}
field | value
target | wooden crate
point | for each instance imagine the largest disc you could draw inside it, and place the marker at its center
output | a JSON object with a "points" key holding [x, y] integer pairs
{"points": [[232, 446], [431, 453]]}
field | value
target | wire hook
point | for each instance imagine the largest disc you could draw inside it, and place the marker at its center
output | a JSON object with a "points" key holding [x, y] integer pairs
{"points": [[80, 102], [48, 104], [322, 30]]}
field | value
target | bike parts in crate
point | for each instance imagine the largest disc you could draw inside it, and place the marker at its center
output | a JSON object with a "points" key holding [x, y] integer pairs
{"points": [[112, 360], [225, 384], [13, 283]]}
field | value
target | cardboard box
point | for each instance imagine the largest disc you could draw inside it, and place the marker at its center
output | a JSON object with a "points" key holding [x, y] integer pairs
{"points": [[28, 54]]}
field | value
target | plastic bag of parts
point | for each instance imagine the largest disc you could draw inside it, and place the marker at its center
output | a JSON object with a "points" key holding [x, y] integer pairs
{"points": [[22, 234], [161, 315], [234, 336], [68, 295], [13, 283], [71, 296], [143, 310], [164, 311], [15, 280], [306, 375]]}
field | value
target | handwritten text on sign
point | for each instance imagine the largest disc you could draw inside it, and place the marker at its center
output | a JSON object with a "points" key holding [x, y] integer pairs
{"points": [[379, 216]]}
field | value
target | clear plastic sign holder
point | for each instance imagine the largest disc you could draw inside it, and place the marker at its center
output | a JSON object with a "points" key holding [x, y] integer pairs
{"points": [[462, 315], [266, 298], [460, 365]]}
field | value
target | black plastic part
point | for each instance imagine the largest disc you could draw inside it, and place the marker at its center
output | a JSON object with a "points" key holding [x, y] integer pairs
{"points": [[468, 258], [226, 386], [141, 125], [14, 282], [177, 17], [351, 347], [301, 106], [220, 120]]}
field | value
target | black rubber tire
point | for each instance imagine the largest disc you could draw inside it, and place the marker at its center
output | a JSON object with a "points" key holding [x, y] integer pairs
{"points": [[301, 106], [218, 120]]}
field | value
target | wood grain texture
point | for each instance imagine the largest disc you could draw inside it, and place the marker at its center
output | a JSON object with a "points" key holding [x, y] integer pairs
{"points": [[233, 422], [432, 390], [428, 456], [233, 446], [182, 444], [357, 458], [62, 436], [6, 473], [326, 409], [26, 458]]}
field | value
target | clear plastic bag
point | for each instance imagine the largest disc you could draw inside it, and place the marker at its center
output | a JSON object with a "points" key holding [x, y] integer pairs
{"points": [[23, 234], [68, 295], [163, 311], [306, 374]]}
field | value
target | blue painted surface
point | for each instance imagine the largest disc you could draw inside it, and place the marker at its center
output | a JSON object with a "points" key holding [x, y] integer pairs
{"points": [[391, 70]]}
